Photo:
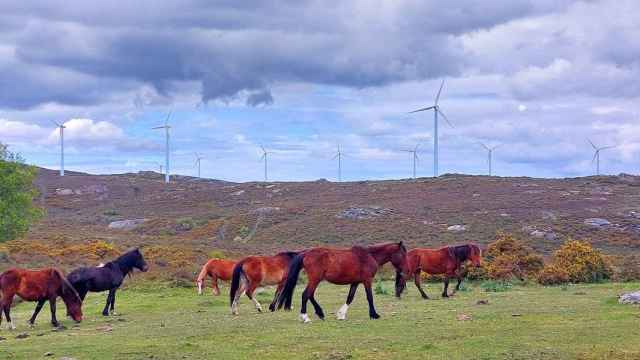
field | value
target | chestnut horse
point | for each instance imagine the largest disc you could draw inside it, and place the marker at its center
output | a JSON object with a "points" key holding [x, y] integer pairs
{"points": [[41, 286], [254, 271], [445, 261], [343, 267], [218, 269]]}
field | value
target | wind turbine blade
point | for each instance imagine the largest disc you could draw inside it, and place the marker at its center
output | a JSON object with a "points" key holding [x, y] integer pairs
{"points": [[166, 121], [335, 157], [415, 149], [423, 109], [445, 117], [55, 122], [439, 91], [263, 149], [595, 154], [497, 146], [590, 142], [484, 146], [607, 147], [159, 127]]}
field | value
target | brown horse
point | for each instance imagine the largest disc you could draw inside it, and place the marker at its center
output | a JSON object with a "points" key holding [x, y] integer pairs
{"points": [[445, 261], [41, 286], [343, 267], [254, 271], [218, 269]]}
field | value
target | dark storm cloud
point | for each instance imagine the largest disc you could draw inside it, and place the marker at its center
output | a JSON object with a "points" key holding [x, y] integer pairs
{"points": [[234, 48]]}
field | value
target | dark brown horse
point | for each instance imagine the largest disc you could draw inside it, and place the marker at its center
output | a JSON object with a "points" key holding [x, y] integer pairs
{"points": [[343, 267], [218, 269], [254, 271], [41, 286], [445, 261]]}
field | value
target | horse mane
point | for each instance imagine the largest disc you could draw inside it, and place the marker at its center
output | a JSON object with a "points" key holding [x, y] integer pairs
{"points": [[289, 254], [123, 260], [462, 252], [66, 285]]}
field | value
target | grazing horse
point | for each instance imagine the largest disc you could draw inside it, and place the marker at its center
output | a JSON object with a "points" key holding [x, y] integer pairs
{"points": [[254, 271], [218, 269], [107, 277], [445, 261], [343, 267], [41, 286]]}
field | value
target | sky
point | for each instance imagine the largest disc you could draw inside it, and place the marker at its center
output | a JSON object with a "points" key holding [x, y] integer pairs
{"points": [[538, 78]]}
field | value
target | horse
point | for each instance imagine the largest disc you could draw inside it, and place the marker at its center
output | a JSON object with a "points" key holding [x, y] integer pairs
{"points": [[254, 271], [218, 269], [41, 286], [342, 267], [107, 277], [445, 261]]}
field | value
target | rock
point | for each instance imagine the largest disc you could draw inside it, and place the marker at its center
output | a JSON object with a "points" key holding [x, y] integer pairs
{"points": [[359, 213], [634, 214], [550, 236], [126, 224], [597, 222], [630, 298], [482, 302], [548, 215], [2, 338], [64, 192], [48, 353], [464, 317], [504, 215], [538, 234], [516, 315], [457, 228], [265, 210], [238, 193], [22, 336]]}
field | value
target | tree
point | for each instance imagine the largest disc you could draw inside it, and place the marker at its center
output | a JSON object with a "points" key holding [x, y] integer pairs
{"points": [[17, 192]]}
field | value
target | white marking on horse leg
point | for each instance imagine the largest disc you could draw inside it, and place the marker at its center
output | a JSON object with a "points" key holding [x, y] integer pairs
{"points": [[199, 288], [305, 318], [257, 304], [234, 307], [12, 326], [342, 313]]}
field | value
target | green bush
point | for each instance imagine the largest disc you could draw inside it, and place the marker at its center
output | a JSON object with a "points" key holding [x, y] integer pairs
{"points": [[17, 192], [216, 254], [379, 288], [553, 274]]}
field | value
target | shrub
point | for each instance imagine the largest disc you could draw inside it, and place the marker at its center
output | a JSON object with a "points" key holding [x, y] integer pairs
{"points": [[379, 288], [111, 212], [553, 274], [626, 268], [508, 258], [216, 254], [582, 262]]}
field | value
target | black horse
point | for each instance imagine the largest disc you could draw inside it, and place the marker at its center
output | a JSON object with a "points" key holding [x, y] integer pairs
{"points": [[107, 277]]}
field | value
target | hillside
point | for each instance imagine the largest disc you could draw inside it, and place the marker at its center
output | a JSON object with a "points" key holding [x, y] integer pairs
{"points": [[192, 217]]}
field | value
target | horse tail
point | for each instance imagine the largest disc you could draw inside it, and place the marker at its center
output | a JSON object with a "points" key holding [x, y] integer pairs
{"points": [[400, 284], [238, 271], [286, 296]]}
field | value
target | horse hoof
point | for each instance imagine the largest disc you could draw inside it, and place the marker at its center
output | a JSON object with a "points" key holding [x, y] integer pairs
{"points": [[374, 316], [305, 318]]}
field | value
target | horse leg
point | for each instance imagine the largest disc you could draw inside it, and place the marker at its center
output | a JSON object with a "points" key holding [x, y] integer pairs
{"points": [[446, 287], [5, 305], [214, 285], [252, 287], [372, 310], [52, 306], [316, 306], [460, 278], [37, 311], [306, 295], [236, 299], [113, 303], [418, 281], [342, 313], [105, 311], [272, 306]]}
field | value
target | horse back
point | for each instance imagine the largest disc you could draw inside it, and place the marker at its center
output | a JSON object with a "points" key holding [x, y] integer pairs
{"points": [[223, 269], [31, 285], [432, 261]]}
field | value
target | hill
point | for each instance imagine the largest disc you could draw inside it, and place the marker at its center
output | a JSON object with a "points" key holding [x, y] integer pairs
{"points": [[187, 219]]}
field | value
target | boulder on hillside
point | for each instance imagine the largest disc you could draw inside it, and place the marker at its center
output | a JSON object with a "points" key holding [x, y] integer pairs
{"points": [[64, 192], [129, 224], [597, 222], [359, 213], [457, 228], [630, 298]]}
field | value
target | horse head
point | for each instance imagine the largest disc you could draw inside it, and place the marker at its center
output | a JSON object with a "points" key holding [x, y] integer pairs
{"points": [[70, 298], [475, 255], [138, 261], [399, 259]]}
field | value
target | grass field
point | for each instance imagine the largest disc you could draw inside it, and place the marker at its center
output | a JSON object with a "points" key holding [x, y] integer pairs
{"points": [[161, 322]]}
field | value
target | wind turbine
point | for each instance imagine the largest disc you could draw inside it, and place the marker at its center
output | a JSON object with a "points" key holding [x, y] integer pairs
{"points": [[415, 158], [198, 159], [264, 157], [166, 128], [61, 127], [596, 155], [339, 156], [490, 154], [436, 111]]}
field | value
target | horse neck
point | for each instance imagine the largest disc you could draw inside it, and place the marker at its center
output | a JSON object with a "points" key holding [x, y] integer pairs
{"points": [[122, 264], [381, 254]]}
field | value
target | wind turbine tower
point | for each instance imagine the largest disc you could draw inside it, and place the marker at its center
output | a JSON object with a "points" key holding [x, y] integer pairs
{"points": [[436, 110], [198, 159], [265, 153], [414, 156], [596, 155], [166, 128], [489, 155], [61, 127], [339, 156]]}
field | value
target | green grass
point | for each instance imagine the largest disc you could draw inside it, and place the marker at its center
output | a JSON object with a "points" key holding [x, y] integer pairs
{"points": [[160, 322]]}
